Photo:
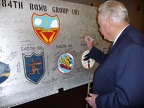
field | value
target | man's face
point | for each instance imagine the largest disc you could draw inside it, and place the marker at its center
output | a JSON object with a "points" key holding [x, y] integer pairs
{"points": [[104, 27]]}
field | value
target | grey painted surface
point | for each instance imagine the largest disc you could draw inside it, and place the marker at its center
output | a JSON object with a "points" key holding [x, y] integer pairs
{"points": [[20, 45]]}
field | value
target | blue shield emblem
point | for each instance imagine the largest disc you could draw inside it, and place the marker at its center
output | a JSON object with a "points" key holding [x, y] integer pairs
{"points": [[34, 67]]}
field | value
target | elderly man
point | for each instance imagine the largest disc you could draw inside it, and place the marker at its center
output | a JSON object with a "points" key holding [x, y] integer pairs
{"points": [[119, 79]]}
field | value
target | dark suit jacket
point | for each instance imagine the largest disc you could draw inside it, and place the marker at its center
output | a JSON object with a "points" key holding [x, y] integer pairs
{"points": [[119, 79]]}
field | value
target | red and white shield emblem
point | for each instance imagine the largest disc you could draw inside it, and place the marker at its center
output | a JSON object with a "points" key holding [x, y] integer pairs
{"points": [[46, 27]]}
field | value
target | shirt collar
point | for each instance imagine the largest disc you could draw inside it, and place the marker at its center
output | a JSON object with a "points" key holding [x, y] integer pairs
{"points": [[119, 35]]}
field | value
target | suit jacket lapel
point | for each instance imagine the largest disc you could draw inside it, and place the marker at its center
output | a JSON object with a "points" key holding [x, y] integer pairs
{"points": [[119, 40]]}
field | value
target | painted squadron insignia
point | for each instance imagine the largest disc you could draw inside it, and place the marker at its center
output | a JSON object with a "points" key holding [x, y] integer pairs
{"points": [[34, 67], [46, 27], [4, 72], [65, 63], [88, 64]]}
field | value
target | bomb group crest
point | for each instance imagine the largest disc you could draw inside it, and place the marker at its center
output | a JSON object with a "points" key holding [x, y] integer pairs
{"points": [[46, 27]]}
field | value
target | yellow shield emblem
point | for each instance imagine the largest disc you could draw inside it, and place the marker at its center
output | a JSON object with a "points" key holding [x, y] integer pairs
{"points": [[46, 27]]}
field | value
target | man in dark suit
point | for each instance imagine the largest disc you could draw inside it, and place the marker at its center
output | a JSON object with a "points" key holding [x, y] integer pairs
{"points": [[119, 79]]}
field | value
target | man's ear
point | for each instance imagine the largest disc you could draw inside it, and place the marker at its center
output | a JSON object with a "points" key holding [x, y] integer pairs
{"points": [[109, 22]]}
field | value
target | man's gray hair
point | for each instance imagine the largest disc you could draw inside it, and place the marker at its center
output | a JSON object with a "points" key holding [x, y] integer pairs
{"points": [[115, 10]]}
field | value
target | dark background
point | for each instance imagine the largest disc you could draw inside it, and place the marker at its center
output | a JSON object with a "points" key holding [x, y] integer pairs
{"points": [[72, 98]]}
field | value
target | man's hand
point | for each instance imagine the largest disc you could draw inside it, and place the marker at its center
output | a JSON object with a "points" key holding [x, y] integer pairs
{"points": [[89, 41], [91, 100]]}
